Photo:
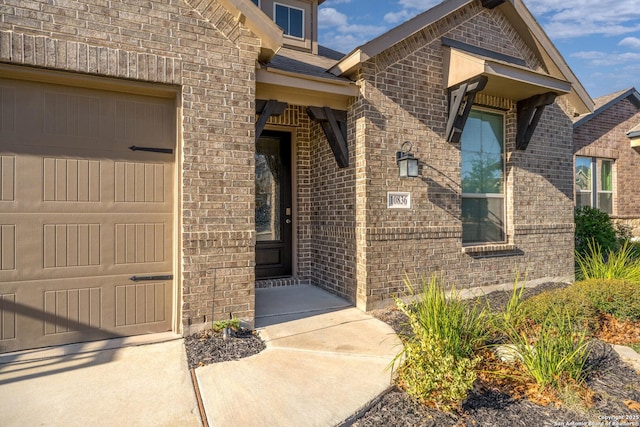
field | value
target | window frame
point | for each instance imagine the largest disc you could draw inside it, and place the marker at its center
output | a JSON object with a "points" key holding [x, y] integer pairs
{"points": [[502, 195], [595, 167], [275, 6]]}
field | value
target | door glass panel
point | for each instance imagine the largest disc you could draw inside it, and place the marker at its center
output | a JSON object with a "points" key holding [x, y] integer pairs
{"points": [[268, 178]]}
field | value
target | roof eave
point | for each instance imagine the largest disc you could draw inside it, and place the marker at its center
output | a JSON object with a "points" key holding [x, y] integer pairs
{"points": [[261, 25], [632, 94]]}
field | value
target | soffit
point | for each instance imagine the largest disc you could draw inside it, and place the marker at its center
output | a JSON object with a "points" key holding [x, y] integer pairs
{"points": [[301, 78], [261, 25], [505, 79]]}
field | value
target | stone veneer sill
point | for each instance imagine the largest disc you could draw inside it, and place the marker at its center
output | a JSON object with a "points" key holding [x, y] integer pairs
{"points": [[490, 249]]}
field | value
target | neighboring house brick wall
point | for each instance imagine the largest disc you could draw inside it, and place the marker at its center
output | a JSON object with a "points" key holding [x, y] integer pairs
{"points": [[605, 135], [403, 99], [200, 47]]}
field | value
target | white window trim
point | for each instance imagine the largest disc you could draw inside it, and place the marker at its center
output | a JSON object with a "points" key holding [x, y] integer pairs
{"points": [[503, 195], [291, 7]]}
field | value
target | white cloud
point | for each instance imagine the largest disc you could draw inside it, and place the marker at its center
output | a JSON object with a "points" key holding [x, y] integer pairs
{"points": [[630, 42], [329, 3], [328, 17], [340, 34], [397, 17], [586, 17], [607, 59], [420, 5]]}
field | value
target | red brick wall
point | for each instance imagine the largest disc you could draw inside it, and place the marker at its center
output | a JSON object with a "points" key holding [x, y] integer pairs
{"points": [[604, 135]]}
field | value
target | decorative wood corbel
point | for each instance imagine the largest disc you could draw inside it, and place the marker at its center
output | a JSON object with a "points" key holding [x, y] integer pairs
{"points": [[529, 112], [460, 103], [334, 126], [266, 109]]}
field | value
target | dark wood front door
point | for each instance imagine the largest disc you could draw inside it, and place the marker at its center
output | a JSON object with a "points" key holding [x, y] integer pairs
{"points": [[273, 205]]}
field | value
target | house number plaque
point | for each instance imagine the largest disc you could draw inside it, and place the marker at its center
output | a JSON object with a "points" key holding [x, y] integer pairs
{"points": [[398, 200]]}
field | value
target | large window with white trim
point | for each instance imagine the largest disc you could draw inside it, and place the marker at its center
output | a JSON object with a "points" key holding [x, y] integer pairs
{"points": [[594, 183], [290, 19], [483, 192]]}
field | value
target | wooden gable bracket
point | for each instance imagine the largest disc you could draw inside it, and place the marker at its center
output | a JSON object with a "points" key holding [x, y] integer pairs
{"points": [[529, 112], [334, 125], [267, 109], [460, 102]]}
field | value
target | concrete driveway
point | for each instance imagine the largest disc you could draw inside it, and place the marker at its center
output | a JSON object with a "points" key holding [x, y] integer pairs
{"points": [[97, 384]]}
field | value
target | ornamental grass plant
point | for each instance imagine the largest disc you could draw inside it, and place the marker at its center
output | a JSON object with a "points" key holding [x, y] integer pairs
{"points": [[597, 263], [440, 354], [553, 350]]}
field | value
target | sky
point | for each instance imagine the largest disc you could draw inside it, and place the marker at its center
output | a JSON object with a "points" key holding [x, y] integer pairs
{"points": [[599, 39]]}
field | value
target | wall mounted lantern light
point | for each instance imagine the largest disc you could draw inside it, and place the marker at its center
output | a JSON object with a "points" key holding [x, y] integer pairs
{"points": [[407, 164]]}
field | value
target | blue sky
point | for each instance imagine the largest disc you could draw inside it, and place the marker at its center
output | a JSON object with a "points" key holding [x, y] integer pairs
{"points": [[599, 39]]}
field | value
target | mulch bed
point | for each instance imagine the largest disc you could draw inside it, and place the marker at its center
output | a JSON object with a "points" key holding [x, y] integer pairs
{"points": [[615, 386], [210, 347]]}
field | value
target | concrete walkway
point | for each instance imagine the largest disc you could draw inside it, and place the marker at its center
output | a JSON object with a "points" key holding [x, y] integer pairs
{"points": [[324, 361], [322, 364]]}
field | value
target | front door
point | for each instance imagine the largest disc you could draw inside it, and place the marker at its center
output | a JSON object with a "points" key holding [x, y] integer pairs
{"points": [[273, 205]]}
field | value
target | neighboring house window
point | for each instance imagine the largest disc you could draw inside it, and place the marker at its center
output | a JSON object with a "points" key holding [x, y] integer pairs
{"points": [[256, 2], [290, 19], [594, 183], [483, 206]]}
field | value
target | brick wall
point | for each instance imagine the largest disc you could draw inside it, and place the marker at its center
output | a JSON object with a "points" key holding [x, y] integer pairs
{"points": [[403, 99], [197, 45], [605, 136]]}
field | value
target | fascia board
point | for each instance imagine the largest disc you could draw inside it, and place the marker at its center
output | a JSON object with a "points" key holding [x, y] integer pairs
{"points": [[548, 53], [259, 23], [349, 63], [297, 81]]}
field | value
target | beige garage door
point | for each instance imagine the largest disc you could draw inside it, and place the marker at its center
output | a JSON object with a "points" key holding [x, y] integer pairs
{"points": [[86, 223]]}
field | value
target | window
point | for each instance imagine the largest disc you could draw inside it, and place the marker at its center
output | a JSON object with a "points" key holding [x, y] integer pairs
{"points": [[290, 19], [482, 149], [594, 183], [256, 2]]}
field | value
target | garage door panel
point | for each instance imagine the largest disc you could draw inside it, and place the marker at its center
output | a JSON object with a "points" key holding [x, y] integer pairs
{"points": [[7, 178], [81, 214], [52, 312], [59, 116], [7, 316], [139, 304]]}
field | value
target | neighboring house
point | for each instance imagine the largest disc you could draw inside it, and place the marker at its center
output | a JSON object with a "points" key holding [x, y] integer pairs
{"points": [[606, 144], [162, 159]]}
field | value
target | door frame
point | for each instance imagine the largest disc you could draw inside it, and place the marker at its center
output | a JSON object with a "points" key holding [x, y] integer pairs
{"points": [[290, 134]]}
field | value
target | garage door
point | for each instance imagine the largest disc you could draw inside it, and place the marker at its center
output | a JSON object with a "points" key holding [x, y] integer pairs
{"points": [[86, 222]]}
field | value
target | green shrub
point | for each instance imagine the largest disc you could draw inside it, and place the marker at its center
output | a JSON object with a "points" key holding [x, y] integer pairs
{"points": [[619, 264], [594, 225], [619, 298], [439, 354], [571, 300], [436, 377], [554, 354]]}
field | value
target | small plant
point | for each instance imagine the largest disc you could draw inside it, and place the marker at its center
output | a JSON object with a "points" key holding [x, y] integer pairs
{"points": [[220, 325], [513, 313], [554, 354], [439, 355], [619, 264]]}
